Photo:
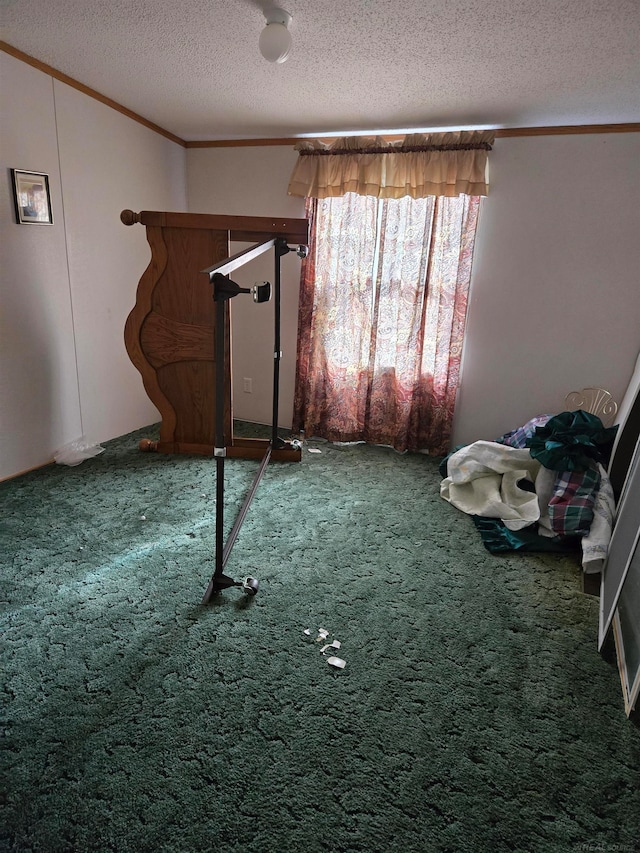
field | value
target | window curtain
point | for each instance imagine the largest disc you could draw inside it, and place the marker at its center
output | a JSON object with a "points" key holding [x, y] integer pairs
{"points": [[384, 289], [419, 165], [381, 320]]}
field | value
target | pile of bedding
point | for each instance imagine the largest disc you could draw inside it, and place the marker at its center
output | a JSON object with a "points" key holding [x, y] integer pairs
{"points": [[540, 487]]}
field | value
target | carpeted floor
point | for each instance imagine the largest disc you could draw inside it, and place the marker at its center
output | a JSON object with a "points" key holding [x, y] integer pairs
{"points": [[474, 713]]}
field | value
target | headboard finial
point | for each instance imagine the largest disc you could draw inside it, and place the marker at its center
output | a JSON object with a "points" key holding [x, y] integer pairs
{"points": [[128, 217]]}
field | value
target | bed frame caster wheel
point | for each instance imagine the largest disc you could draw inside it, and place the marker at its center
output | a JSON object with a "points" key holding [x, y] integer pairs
{"points": [[250, 585]]}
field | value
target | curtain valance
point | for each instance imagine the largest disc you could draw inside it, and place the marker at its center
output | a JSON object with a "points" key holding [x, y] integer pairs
{"points": [[420, 165]]}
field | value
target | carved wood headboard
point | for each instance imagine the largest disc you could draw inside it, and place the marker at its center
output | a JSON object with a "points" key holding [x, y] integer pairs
{"points": [[169, 334]]}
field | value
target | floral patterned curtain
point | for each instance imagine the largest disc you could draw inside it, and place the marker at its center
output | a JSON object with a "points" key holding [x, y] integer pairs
{"points": [[381, 320]]}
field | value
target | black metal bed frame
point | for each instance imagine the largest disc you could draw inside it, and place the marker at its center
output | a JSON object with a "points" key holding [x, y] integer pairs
{"points": [[223, 290]]}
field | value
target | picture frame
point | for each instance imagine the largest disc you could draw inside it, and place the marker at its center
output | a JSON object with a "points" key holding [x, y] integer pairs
{"points": [[31, 197]]}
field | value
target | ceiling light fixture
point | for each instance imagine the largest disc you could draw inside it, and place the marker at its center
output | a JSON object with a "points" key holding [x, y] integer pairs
{"points": [[275, 39]]}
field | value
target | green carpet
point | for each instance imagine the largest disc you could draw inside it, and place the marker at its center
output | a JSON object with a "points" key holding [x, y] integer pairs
{"points": [[474, 712]]}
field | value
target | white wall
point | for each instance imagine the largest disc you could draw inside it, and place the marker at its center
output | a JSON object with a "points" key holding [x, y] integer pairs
{"points": [[555, 300], [109, 163], [66, 289], [555, 296], [39, 403], [253, 181]]}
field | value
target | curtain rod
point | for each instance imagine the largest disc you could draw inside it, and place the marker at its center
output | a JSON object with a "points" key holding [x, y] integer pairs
{"points": [[402, 149]]}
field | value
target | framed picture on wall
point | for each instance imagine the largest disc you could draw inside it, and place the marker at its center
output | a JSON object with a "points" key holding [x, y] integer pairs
{"points": [[31, 198]]}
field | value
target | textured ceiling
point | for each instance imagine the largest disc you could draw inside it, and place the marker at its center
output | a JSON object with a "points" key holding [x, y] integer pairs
{"points": [[193, 66]]}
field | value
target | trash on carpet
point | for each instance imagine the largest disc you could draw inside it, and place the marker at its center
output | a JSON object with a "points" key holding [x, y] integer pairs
{"points": [[77, 451], [323, 634]]}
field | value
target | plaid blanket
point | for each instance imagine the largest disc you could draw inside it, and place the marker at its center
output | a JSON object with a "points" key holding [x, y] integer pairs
{"points": [[520, 436], [571, 506]]}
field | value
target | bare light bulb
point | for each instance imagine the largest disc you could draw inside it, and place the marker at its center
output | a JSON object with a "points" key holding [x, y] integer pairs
{"points": [[275, 39]]}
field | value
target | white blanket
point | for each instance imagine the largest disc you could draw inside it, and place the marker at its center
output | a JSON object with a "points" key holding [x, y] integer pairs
{"points": [[595, 545], [484, 481]]}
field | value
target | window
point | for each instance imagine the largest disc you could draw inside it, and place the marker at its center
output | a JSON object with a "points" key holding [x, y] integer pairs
{"points": [[382, 311]]}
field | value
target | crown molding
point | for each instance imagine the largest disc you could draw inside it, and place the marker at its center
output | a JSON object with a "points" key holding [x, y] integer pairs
{"points": [[92, 93]]}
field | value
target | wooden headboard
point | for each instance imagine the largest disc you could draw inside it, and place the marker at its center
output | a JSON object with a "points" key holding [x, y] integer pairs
{"points": [[169, 334]]}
